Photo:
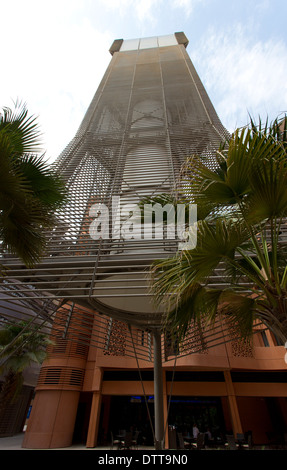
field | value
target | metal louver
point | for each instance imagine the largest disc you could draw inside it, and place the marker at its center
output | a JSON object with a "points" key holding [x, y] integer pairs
{"points": [[149, 113]]}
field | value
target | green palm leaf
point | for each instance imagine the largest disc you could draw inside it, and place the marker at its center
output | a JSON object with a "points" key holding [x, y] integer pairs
{"points": [[21, 130], [20, 345], [30, 192], [241, 202]]}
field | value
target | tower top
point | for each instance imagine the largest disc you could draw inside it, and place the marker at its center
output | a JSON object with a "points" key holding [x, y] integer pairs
{"points": [[148, 43]]}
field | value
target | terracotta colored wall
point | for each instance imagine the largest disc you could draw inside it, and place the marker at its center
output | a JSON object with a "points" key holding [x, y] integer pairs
{"points": [[52, 420], [255, 416]]}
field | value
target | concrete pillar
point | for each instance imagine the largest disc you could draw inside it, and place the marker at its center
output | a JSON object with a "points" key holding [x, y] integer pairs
{"points": [[233, 408], [53, 416], [95, 409], [52, 420], [94, 420]]}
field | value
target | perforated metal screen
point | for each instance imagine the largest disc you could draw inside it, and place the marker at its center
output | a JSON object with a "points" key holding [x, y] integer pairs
{"points": [[149, 113]]}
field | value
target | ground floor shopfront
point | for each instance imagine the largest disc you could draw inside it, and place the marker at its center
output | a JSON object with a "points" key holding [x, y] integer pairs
{"points": [[83, 394], [221, 402]]}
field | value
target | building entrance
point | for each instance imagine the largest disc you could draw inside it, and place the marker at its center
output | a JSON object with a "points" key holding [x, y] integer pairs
{"points": [[134, 413], [137, 413]]}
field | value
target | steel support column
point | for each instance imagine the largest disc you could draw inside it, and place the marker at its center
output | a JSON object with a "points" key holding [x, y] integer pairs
{"points": [[158, 392]]}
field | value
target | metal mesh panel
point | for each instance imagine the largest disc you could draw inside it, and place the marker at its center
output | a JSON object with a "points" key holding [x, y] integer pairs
{"points": [[149, 113]]}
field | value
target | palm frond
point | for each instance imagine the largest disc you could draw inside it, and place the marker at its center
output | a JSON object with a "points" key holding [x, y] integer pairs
{"points": [[21, 129], [30, 192], [239, 310], [241, 206], [47, 186], [268, 196], [197, 304], [174, 277]]}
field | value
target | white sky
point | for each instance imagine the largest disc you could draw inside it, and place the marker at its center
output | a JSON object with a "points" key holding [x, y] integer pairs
{"points": [[54, 54]]}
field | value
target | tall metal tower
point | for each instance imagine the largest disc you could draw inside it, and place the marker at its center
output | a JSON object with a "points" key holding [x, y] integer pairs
{"points": [[148, 114]]}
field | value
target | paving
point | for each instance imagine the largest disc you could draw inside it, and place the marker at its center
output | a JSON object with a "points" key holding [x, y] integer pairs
{"points": [[15, 443]]}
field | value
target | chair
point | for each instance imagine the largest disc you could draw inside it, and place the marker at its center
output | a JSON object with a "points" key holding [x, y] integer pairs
{"points": [[114, 442], [231, 442], [135, 439], [200, 441], [172, 437], [240, 438], [182, 443], [249, 441], [127, 442]]}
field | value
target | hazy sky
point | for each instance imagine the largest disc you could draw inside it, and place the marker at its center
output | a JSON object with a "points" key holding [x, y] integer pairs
{"points": [[54, 54]]}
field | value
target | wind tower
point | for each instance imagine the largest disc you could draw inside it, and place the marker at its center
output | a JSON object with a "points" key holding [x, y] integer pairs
{"points": [[148, 114]]}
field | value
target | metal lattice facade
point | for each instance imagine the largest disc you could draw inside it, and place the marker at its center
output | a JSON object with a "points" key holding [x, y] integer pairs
{"points": [[149, 113]]}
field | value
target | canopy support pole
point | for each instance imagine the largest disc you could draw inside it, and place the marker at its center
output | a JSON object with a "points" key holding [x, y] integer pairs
{"points": [[158, 392]]}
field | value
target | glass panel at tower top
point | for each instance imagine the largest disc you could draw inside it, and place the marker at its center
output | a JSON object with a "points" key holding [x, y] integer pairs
{"points": [[146, 43]]}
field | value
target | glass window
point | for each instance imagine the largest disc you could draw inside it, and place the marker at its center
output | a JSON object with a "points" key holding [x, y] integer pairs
{"points": [[130, 45], [147, 43], [168, 40]]}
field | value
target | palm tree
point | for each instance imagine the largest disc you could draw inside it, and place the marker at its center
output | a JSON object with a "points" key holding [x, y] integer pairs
{"points": [[242, 204], [30, 191], [22, 347]]}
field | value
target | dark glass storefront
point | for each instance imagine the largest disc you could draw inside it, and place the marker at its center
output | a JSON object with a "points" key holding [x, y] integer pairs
{"points": [[137, 413], [205, 412]]}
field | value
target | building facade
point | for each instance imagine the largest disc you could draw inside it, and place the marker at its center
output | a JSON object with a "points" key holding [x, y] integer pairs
{"points": [[149, 114], [83, 394]]}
